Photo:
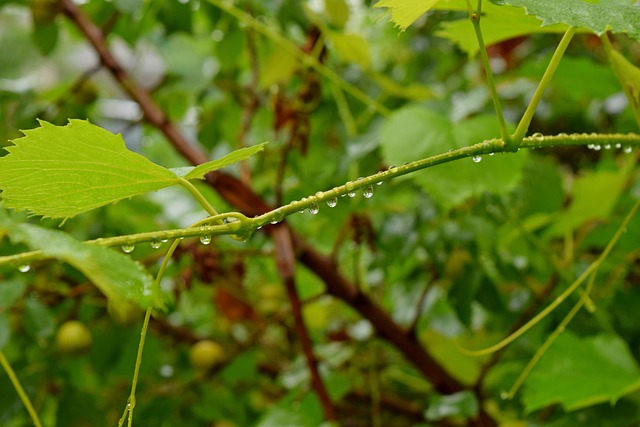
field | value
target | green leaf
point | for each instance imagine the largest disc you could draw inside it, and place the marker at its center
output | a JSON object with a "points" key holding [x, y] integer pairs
{"points": [[61, 171], [579, 372], [5, 330], [38, 321], [351, 47], [405, 12], [629, 77], [594, 197], [10, 292], [461, 404], [415, 132], [235, 156], [115, 274], [498, 24], [615, 16]]}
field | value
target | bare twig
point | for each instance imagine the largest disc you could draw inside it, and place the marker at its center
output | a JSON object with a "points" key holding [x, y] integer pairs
{"points": [[285, 260]]}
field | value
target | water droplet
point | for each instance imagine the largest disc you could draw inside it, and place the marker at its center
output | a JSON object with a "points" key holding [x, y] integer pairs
{"points": [[477, 159], [492, 154], [313, 209], [127, 248], [618, 145], [537, 135], [24, 268], [590, 146], [164, 240], [628, 150], [351, 194], [206, 239], [156, 244], [607, 146], [379, 183], [504, 395], [332, 202], [367, 192], [596, 147], [278, 215], [392, 168]]}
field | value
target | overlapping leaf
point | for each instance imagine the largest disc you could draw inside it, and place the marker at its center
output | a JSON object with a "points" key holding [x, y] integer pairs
{"points": [[578, 372], [415, 132], [116, 275], [62, 171], [614, 15]]}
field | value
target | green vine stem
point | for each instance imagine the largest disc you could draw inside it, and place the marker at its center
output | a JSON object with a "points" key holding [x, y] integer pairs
{"points": [[583, 301], [595, 265], [131, 402], [198, 196], [307, 60], [525, 121], [474, 17], [23, 395], [241, 228]]}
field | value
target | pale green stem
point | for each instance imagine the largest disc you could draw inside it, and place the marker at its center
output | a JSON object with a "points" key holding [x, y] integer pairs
{"points": [[23, 395], [198, 196], [474, 17], [560, 299], [525, 121], [551, 338], [243, 226], [295, 51], [131, 403]]}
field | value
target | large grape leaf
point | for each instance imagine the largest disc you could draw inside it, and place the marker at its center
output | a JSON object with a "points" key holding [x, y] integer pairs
{"points": [[120, 278], [578, 372], [62, 171], [617, 16], [415, 132]]}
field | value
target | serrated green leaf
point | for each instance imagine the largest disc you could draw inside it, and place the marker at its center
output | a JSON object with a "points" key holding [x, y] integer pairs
{"points": [[115, 274], [415, 132], [599, 18], [579, 372], [405, 12], [62, 171], [235, 156]]}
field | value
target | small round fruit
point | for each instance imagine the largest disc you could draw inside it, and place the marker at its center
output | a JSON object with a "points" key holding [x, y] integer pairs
{"points": [[206, 354], [73, 337]]}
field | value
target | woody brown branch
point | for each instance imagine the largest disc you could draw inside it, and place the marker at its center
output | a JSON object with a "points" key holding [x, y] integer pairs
{"points": [[250, 204]]}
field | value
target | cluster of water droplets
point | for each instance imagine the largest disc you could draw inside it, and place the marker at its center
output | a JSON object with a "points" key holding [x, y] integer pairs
{"points": [[597, 147]]}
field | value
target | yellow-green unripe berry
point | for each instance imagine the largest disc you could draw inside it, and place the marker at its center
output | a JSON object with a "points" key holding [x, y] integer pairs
{"points": [[73, 337], [206, 354]]}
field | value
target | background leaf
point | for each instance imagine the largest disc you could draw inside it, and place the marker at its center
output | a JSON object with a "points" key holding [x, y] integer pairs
{"points": [[415, 132], [577, 372], [115, 274]]}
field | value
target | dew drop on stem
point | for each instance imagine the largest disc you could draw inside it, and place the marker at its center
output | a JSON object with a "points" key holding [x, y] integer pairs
{"points": [[332, 202], [313, 208], [351, 194], [477, 159], [156, 244], [127, 248], [628, 150], [206, 239], [367, 192], [24, 268]]}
